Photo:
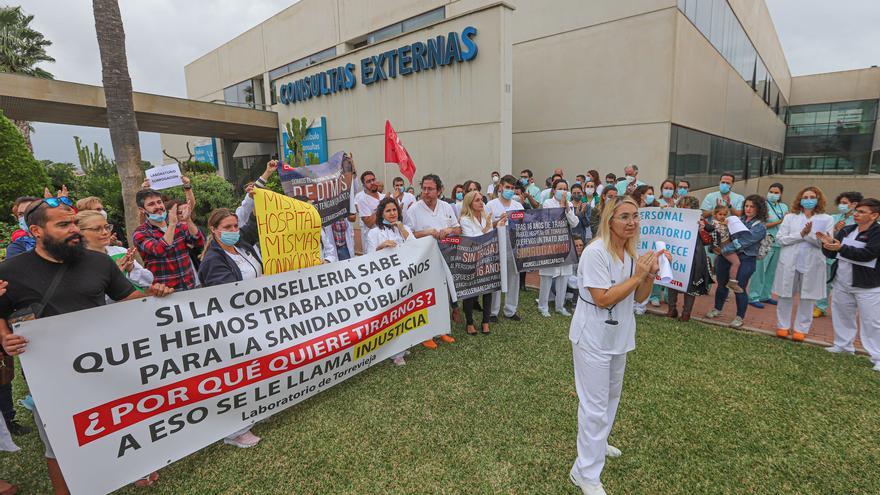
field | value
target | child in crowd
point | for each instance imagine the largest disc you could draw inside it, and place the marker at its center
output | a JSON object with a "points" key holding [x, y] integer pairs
{"points": [[720, 238]]}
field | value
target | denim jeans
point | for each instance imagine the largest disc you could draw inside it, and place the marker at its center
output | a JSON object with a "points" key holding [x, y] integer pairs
{"points": [[722, 276]]}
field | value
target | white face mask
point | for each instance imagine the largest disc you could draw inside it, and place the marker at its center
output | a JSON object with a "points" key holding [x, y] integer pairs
{"points": [[630, 179], [103, 214], [589, 191], [495, 178]]}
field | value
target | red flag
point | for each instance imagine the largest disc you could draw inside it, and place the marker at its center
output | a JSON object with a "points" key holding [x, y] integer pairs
{"points": [[396, 153]]}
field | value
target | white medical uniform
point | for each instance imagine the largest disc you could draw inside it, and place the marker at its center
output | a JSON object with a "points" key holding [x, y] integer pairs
{"points": [[556, 275], [801, 270], [853, 304], [511, 300], [599, 351]]}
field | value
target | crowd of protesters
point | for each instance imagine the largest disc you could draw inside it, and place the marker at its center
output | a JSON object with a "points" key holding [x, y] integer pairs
{"points": [[793, 250]]}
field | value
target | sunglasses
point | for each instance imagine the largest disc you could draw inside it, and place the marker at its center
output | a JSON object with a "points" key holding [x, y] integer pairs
{"points": [[52, 202]]}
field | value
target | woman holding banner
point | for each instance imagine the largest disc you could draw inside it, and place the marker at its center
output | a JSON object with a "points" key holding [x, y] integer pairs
{"points": [[557, 275], [476, 221], [389, 233], [801, 270], [227, 259], [610, 281]]}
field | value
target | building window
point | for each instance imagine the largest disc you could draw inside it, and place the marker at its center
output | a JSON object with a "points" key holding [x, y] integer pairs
{"points": [[247, 94], [298, 65], [411, 24], [701, 158], [830, 138], [717, 22]]}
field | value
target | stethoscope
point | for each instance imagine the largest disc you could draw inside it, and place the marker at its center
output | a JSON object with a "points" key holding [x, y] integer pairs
{"points": [[610, 320]]}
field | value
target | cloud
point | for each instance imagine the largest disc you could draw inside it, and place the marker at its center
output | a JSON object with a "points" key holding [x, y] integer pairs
{"points": [[162, 36]]}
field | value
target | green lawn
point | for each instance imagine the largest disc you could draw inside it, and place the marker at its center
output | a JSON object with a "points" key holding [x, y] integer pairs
{"points": [[704, 410]]}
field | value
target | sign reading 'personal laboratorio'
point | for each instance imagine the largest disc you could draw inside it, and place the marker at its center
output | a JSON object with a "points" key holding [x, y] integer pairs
{"points": [[404, 61]]}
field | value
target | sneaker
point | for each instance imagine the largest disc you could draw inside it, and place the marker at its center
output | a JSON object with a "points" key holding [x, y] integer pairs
{"points": [[733, 285], [772, 302], [514, 317], [655, 303], [244, 441], [544, 313], [430, 344], [563, 312], [493, 319], [17, 429], [447, 338], [737, 322], [876, 367], [798, 336], [756, 304], [586, 487], [782, 333], [612, 451], [639, 310], [713, 313], [838, 350], [398, 361]]}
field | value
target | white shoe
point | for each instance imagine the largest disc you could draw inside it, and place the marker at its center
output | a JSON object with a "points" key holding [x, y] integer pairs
{"points": [[639, 311], [586, 487], [655, 303], [713, 313], [737, 322], [838, 350], [612, 451], [876, 367], [563, 312], [544, 313], [398, 361], [244, 441]]}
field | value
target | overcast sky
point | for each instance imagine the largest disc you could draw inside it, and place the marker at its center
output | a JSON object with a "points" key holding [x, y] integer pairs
{"points": [[164, 35]]}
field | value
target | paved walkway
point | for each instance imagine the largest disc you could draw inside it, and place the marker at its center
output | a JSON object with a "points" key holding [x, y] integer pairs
{"points": [[756, 320]]}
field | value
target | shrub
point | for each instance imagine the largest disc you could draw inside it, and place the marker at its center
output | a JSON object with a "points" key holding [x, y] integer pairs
{"points": [[20, 173]]}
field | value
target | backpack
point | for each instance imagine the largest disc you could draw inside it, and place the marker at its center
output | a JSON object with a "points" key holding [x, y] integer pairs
{"points": [[765, 245]]}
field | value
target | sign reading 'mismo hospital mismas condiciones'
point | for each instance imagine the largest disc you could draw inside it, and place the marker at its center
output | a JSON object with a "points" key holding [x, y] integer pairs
{"points": [[405, 60]]}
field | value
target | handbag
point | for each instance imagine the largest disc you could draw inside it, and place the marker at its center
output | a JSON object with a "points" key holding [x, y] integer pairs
{"points": [[7, 363]]}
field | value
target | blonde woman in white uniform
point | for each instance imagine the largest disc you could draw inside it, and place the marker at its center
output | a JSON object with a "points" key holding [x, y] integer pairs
{"points": [[557, 275], [801, 270], [603, 331]]}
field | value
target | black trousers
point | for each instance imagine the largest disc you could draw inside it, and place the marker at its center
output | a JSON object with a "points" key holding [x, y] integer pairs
{"points": [[6, 406], [469, 308]]}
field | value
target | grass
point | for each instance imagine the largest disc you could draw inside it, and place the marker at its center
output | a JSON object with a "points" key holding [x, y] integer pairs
{"points": [[704, 410]]}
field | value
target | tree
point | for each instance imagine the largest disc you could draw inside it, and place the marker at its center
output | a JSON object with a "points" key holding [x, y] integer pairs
{"points": [[296, 132], [60, 174], [120, 105], [22, 174], [100, 180], [21, 49]]}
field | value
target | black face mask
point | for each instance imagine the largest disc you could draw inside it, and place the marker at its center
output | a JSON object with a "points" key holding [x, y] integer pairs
{"points": [[64, 252]]}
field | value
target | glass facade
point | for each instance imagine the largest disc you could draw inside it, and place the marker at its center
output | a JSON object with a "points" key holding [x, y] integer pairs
{"points": [[411, 24], [701, 158], [716, 20], [297, 65], [245, 94], [830, 138]]}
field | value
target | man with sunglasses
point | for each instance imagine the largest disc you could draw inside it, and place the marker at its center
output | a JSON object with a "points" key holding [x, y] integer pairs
{"points": [[165, 239], [59, 276]]}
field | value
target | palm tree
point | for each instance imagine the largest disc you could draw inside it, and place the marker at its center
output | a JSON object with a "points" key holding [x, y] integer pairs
{"points": [[120, 106], [21, 49]]}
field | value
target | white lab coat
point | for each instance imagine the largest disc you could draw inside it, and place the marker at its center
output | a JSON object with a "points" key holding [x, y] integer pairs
{"points": [[572, 218], [790, 240]]}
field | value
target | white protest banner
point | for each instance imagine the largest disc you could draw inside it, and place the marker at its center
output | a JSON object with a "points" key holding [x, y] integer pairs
{"points": [[128, 388], [164, 177], [678, 229]]}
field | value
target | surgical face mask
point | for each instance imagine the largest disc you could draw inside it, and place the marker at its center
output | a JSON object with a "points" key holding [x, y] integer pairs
{"points": [[610, 183], [523, 181], [577, 183], [21, 224], [386, 222], [724, 188], [230, 238], [103, 214], [649, 199], [401, 189], [630, 179], [495, 178], [667, 193], [809, 203], [682, 191], [560, 195], [158, 217], [843, 208], [772, 197], [507, 194], [459, 196], [589, 191], [577, 196]]}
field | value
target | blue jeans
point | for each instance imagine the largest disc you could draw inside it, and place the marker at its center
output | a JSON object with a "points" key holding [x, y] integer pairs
{"points": [[722, 275]]}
